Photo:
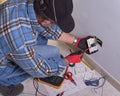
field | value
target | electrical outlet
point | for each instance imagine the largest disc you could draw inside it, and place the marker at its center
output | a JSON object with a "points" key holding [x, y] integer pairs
{"points": [[92, 45]]}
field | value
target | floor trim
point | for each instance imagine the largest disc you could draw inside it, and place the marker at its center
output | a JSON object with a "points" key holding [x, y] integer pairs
{"points": [[115, 83]]}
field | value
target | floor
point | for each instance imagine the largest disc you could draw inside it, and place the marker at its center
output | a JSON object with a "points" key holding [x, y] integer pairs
{"points": [[80, 73]]}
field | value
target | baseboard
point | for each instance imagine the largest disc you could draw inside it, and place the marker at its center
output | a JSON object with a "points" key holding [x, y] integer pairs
{"points": [[98, 68], [115, 83]]}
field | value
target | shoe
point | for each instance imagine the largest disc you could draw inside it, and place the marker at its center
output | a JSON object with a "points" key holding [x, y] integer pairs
{"points": [[12, 90], [75, 57]]}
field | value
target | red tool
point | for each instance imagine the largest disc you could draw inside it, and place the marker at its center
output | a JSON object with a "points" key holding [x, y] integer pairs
{"points": [[60, 94], [68, 76]]}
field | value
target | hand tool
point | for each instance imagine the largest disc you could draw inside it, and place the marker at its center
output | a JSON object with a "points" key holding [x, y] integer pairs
{"points": [[68, 76]]}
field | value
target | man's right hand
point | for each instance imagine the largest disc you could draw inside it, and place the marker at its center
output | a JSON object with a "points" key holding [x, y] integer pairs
{"points": [[82, 44]]}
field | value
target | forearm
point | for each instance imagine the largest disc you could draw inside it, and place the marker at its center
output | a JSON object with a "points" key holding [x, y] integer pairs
{"points": [[66, 37]]}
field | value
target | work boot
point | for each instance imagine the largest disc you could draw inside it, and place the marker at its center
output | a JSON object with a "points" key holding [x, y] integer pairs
{"points": [[12, 90]]}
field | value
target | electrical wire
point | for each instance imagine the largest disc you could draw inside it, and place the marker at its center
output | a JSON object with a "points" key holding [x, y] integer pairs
{"points": [[36, 86], [95, 91], [97, 86]]}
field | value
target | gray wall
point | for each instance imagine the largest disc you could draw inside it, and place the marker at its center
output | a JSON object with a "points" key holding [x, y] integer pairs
{"points": [[101, 18]]}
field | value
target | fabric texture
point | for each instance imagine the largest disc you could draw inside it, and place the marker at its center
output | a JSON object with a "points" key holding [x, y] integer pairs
{"points": [[19, 33]]}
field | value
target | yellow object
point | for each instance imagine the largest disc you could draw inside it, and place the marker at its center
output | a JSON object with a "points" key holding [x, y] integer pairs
{"points": [[87, 64], [1, 1], [57, 87]]}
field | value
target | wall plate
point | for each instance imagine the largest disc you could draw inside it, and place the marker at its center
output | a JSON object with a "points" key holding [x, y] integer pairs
{"points": [[92, 45]]}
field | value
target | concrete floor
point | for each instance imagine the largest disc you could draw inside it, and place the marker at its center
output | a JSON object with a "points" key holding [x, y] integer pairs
{"points": [[82, 72]]}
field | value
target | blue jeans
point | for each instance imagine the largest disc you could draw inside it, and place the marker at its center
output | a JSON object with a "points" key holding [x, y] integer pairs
{"points": [[11, 74]]}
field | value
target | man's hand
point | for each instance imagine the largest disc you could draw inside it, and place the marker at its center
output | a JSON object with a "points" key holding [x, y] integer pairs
{"points": [[82, 43]]}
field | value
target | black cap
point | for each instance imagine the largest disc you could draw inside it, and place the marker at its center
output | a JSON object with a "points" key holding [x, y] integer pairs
{"points": [[61, 11]]}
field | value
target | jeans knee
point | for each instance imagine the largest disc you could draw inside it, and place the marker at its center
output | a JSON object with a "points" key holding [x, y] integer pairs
{"points": [[56, 50]]}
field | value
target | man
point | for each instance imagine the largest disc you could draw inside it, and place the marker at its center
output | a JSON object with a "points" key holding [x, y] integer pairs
{"points": [[23, 52]]}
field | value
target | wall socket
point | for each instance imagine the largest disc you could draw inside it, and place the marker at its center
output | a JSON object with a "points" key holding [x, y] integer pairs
{"points": [[92, 45]]}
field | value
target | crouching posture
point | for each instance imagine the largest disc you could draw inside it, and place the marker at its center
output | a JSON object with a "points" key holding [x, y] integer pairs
{"points": [[24, 53]]}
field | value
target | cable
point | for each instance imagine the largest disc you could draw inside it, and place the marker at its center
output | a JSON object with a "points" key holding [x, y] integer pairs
{"points": [[36, 86], [96, 83], [101, 93]]}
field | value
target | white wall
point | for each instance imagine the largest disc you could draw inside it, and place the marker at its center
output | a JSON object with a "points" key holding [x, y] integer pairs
{"points": [[101, 18]]}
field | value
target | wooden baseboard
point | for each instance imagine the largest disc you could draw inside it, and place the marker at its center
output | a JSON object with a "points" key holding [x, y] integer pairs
{"points": [[115, 83]]}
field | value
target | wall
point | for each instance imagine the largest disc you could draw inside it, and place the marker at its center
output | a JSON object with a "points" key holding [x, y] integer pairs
{"points": [[101, 18]]}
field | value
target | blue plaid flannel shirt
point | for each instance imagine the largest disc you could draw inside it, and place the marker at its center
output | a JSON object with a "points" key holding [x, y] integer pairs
{"points": [[19, 30]]}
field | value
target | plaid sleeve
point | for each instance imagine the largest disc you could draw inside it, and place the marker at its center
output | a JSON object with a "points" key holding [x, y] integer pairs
{"points": [[31, 62], [17, 37], [52, 32]]}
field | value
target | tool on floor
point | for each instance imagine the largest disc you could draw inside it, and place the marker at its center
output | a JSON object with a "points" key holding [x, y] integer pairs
{"points": [[53, 81], [60, 94], [92, 82], [95, 82], [68, 76], [82, 59]]}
